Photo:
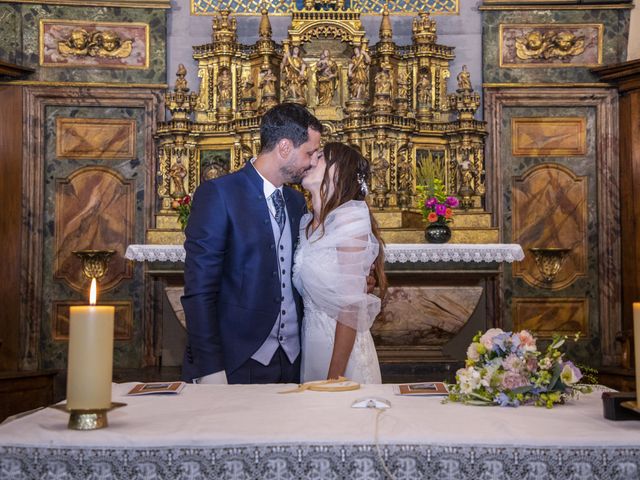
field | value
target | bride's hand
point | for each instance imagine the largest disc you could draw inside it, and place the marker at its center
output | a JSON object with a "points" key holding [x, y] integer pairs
{"points": [[371, 280]]}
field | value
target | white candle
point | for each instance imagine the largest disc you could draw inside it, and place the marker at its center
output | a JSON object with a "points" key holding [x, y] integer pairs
{"points": [[90, 362], [636, 347]]}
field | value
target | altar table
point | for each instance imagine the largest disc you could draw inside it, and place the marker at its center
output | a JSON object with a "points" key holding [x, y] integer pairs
{"points": [[252, 431]]}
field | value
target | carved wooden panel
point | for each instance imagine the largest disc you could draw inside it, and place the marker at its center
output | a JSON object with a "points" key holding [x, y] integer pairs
{"points": [[123, 321], [550, 210], [550, 45], [94, 210], [548, 136], [99, 138], [546, 316]]}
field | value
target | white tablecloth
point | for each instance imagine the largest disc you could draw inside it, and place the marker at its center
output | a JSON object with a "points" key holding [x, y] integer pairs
{"points": [[418, 252], [251, 430]]}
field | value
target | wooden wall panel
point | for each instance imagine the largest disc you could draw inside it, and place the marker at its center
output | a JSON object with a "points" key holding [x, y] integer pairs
{"points": [[98, 138], [546, 316], [123, 322], [547, 137], [10, 223], [550, 210], [94, 210]]}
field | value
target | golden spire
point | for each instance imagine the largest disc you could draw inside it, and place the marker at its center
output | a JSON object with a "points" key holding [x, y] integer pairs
{"points": [[265, 31], [386, 32]]}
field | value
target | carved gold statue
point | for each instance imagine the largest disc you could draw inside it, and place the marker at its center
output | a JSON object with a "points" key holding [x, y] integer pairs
{"points": [[423, 88], [326, 78], [181, 81], [358, 73], [225, 88], [105, 44], [464, 79], [178, 173], [268, 88], [538, 45], [294, 75]]}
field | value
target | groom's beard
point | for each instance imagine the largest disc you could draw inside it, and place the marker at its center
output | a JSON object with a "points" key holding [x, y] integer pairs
{"points": [[294, 175]]}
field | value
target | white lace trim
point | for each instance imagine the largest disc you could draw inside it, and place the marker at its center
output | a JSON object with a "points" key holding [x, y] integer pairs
{"points": [[394, 253], [453, 252]]}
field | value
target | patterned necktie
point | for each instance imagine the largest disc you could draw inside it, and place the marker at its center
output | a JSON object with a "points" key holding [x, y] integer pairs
{"points": [[278, 203]]}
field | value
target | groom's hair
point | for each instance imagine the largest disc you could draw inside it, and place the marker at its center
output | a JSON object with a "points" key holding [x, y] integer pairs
{"points": [[287, 120]]}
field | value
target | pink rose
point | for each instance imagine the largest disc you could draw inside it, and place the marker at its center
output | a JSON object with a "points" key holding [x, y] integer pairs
{"points": [[488, 336], [527, 341]]}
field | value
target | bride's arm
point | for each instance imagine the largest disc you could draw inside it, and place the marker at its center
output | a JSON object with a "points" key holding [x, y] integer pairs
{"points": [[342, 346]]}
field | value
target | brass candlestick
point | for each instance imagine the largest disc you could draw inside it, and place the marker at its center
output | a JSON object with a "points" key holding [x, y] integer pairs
{"points": [[88, 419], [549, 261], [95, 263]]}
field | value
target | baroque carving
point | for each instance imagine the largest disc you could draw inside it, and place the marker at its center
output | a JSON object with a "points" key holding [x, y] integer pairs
{"points": [[391, 101]]}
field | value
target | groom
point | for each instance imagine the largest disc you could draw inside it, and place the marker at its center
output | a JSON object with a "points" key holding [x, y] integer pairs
{"points": [[243, 314]]}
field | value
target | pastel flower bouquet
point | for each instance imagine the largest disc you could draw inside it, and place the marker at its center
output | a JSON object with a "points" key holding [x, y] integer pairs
{"points": [[506, 369]]}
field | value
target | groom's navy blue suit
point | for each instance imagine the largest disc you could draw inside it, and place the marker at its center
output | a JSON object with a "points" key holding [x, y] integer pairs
{"points": [[232, 288]]}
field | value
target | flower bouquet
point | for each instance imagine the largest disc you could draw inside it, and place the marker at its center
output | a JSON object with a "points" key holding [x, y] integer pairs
{"points": [[183, 207], [506, 369], [437, 206]]}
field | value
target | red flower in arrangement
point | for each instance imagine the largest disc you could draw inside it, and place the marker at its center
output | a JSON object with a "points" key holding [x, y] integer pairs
{"points": [[432, 217], [183, 206]]}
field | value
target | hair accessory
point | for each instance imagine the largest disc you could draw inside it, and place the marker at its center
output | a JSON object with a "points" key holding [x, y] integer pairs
{"points": [[363, 185]]}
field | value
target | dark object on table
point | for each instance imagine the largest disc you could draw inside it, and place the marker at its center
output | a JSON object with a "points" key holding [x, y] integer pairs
{"points": [[613, 410]]}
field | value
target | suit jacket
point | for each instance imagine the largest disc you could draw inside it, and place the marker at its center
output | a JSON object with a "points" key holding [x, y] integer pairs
{"points": [[232, 289]]}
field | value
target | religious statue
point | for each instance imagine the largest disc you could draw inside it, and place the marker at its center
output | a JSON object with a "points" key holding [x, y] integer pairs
{"points": [[326, 78], [358, 73], [109, 45], [105, 44], [177, 172], [403, 85], [405, 181], [382, 82], [181, 81], [464, 79], [268, 88], [380, 168], [203, 95], [423, 88], [294, 75], [225, 88], [566, 44], [76, 44], [532, 45], [246, 88]]}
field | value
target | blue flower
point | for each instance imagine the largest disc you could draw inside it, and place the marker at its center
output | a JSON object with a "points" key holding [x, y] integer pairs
{"points": [[504, 400]]}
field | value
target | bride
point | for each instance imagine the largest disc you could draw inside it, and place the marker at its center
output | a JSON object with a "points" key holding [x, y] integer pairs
{"points": [[339, 242]]}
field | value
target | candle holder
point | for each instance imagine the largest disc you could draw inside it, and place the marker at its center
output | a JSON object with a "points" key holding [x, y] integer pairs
{"points": [[92, 419], [95, 263], [549, 261]]}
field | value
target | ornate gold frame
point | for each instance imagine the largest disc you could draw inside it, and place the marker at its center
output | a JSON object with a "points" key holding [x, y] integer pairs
{"points": [[89, 22], [599, 26]]}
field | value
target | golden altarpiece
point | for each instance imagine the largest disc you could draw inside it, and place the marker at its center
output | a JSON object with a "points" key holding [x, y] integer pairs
{"points": [[389, 100]]}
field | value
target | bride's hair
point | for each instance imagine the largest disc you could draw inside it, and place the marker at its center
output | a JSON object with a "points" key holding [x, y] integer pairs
{"points": [[350, 180]]}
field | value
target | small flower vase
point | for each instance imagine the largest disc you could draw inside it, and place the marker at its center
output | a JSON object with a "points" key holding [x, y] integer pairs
{"points": [[437, 233]]}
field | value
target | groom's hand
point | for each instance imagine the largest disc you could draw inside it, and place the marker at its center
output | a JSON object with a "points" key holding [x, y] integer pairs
{"points": [[371, 280]]}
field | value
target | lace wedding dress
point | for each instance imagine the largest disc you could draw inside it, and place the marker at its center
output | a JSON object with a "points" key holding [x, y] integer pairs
{"points": [[330, 271]]}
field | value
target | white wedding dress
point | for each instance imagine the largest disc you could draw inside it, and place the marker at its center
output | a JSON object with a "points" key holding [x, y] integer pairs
{"points": [[330, 272]]}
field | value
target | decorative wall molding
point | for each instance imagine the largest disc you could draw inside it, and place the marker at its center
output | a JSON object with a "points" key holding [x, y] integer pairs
{"points": [[85, 221], [36, 101], [548, 136], [605, 102], [547, 316], [103, 138], [162, 4], [123, 321]]}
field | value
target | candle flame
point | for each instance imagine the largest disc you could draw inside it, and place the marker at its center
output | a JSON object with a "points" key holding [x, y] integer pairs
{"points": [[93, 293]]}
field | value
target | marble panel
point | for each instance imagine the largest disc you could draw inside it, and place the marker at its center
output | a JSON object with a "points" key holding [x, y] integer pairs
{"points": [[123, 321], [613, 47], [152, 71], [550, 46], [548, 316], [78, 43], [424, 316], [94, 210], [105, 138], [105, 230], [10, 36], [550, 210], [547, 137]]}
